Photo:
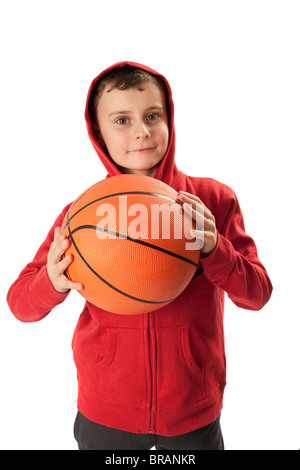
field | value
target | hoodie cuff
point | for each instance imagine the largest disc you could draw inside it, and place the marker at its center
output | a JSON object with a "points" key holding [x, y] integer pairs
{"points": [[219, 263], [44, 289]]}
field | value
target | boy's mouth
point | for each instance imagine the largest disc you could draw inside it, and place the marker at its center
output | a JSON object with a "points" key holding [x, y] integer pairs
{"points": [[146, 149]]}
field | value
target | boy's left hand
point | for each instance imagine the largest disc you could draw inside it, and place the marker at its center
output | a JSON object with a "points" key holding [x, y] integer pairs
{"points": [[195, 208]]}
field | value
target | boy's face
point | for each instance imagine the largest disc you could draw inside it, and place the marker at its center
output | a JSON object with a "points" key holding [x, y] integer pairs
{"points": [[133, 126]]}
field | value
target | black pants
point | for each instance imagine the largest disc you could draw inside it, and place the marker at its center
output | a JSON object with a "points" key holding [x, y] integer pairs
{"points": [[93, 436]]}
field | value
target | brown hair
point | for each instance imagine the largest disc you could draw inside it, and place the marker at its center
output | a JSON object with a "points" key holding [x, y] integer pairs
{"points": [[121, 78]]}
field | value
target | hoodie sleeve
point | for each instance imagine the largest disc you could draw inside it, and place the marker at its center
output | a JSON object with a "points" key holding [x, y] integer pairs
{"points": [[32, 296], [234, 265]]}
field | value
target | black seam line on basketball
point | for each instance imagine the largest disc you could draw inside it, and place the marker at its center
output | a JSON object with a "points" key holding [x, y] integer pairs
{"points": [[110, 285], [143, 193], [136, 240], [77, 200]]}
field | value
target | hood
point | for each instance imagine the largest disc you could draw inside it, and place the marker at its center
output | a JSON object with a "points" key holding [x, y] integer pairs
{"points": [[166, 171]]}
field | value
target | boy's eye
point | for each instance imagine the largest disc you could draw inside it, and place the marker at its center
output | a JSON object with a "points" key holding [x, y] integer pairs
{"points": [[153, 117], [122, 120]]}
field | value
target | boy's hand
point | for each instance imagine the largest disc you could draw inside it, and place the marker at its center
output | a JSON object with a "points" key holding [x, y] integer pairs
{"points": [[57, 266], [194, 207]]}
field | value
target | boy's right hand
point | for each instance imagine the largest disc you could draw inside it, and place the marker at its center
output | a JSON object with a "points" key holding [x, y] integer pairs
{"points": [[57, 266]]}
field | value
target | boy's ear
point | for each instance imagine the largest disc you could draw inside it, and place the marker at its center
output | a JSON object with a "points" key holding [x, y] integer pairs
{"points": [[97, 133]]}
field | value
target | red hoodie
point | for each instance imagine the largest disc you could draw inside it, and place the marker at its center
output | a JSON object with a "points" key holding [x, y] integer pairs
{"points": [[162, 372]]}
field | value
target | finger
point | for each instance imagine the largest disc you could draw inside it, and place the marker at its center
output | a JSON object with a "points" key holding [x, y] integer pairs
{"points": [[196, 216], [63, 266], [57, 239], [196, 203], [202, 222], [184, 196], [73, 285], [194, 210], [58, 249], [189, 195], [199, 234], [65, 263], [191, 211], [56, 233], [67, 284]]}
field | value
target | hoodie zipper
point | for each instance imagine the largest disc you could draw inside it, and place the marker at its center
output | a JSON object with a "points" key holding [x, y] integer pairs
{"points": [[151, 362]]}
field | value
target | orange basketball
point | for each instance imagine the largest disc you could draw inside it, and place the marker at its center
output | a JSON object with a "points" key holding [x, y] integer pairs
{"points": [[129, 245]]}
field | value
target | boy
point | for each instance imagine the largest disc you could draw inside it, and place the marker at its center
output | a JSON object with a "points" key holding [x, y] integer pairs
{"points": [[155, 379]]}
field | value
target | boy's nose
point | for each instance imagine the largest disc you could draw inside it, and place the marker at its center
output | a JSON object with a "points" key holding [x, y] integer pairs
{"points": [[141, 131]]}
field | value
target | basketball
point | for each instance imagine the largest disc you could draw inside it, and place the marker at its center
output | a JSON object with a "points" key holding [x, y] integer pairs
{"points": [[129, 245]]}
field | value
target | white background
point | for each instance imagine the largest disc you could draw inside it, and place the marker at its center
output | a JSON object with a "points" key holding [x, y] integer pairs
{"points": [[234, 70]]}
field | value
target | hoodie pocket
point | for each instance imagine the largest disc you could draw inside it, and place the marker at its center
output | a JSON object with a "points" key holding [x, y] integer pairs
{"points": [[180, 380], [121, 373]]}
